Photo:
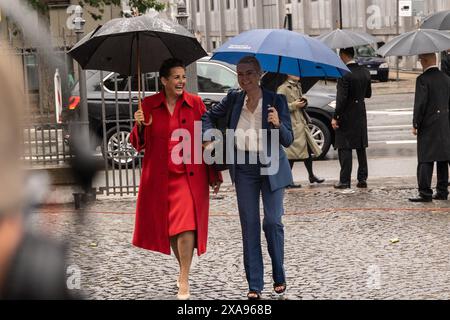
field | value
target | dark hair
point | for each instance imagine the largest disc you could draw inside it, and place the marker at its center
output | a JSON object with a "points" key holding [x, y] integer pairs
{"points": [[348, 51], [168, 64], [271, 80]]}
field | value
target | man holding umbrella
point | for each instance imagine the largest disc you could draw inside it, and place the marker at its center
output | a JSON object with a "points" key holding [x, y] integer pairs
{"points": [[350, 120], [431, 124], [431, 107]]}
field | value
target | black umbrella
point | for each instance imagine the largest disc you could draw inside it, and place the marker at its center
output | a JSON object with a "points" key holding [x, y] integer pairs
{"points": [[339, 38], [130, 46], [438, 21], [416, 42]]}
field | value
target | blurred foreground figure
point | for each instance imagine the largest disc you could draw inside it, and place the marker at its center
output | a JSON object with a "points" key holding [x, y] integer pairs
{"points": [[31, 266]]}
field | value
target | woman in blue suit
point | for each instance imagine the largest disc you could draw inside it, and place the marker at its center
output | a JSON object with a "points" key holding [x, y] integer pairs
{"points": [[252, 112]]}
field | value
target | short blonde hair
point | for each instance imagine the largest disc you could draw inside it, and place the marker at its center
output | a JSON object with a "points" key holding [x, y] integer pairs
{"points": [[11, 106], [253, 61]]}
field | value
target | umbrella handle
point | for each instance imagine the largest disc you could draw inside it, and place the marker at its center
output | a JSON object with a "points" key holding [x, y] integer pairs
{"points": [[146, 124]]}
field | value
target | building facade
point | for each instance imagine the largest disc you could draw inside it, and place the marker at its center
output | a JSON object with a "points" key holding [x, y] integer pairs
{"points": [[41, 43], [215, 21]]}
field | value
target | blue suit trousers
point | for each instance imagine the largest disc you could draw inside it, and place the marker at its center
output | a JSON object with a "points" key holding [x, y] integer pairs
{"points": [[249, 185]]}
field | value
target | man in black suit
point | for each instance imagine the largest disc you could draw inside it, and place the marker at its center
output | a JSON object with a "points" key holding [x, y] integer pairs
{"points": [[350, 119], [431, 124], [445, 67]]}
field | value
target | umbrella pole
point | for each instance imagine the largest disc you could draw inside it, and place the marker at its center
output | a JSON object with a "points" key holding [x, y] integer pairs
{"points": [[275, 95], [276, 77], [139, 77]]}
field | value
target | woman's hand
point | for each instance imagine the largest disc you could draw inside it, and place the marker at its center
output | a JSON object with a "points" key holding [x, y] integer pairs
{"points": [[216, 186], [273, 117], [335, 124], [208, 145], [140, 119], [301, 103]]}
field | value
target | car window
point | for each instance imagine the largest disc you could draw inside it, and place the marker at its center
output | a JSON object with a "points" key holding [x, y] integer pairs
{"points": [[151, 80], [122, 81], [365, 51], [214, 78], [148, 83]]}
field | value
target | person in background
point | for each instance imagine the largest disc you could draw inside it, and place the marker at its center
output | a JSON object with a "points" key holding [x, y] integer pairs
{"points": [[304, 146], [350, 120], [431, 125], [445, 68]]}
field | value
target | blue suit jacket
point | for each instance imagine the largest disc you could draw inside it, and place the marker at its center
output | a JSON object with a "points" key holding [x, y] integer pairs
{"points": [[235, 99]]}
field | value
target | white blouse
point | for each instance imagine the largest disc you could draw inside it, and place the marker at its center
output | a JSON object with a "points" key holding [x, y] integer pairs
{"points": [[248, 135]]}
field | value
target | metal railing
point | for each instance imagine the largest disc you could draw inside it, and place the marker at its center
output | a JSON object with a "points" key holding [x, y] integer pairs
{"points": [[123, 165], [45, 144], [43, 138]]}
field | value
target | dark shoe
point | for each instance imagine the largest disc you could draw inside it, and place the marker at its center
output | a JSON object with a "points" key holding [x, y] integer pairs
{"points": [[315, 179], [279, 291], [342, 186], [362, 185], [420, 199], [438, 196], [294, 186], [253, 295], [279, 288]]}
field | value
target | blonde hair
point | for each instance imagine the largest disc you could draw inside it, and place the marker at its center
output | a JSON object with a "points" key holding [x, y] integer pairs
{"points": [[11, 104], [253, 61]]}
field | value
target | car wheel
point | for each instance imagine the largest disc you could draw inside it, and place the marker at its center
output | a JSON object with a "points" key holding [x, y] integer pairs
{"points": [[384, 78], [321, 134], [120, 152]]}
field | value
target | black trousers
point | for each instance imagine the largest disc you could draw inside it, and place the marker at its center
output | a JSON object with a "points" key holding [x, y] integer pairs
{"points": [[345, 159], [425, 175], [308, 163]]}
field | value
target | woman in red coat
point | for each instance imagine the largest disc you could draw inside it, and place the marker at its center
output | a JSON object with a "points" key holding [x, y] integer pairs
{"points": [[173, 202]]}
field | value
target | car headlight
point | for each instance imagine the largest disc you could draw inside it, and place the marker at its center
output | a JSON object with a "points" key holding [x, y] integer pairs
{"points": [[384, 65], [332, 104]]}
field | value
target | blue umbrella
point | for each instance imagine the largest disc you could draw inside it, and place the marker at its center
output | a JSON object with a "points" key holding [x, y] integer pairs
{"points": [[283, 51]]}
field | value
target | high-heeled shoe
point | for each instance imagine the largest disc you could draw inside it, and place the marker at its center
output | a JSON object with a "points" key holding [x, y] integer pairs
{"points": [[185, 296], [315, 179]]}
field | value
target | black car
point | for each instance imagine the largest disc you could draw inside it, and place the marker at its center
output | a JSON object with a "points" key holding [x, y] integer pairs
{"points": [[377, 65], [215, 79]]}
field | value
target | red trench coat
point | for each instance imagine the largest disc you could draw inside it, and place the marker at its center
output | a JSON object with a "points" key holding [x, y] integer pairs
{"points": [[151, 225]]}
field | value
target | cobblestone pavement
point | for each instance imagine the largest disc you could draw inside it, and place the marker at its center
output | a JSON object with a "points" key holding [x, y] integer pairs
{"points": [[368, 244]]}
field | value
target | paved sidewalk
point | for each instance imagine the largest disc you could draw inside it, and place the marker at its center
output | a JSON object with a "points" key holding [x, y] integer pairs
{"points": [[406, 84], [367, 244]]}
